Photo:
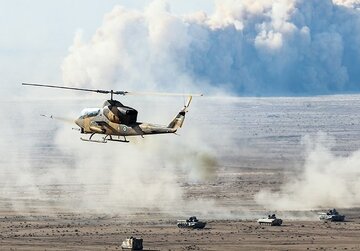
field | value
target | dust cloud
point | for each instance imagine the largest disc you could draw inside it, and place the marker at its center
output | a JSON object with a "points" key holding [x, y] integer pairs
{"points": [[256, 48], [325, 181], [239, 49], [48, 167], [146, 174]]}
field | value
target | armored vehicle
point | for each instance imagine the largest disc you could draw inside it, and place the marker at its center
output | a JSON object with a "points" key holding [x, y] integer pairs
{"points": [[132, 244], [331, 215], [270, 220], [192, 222]]}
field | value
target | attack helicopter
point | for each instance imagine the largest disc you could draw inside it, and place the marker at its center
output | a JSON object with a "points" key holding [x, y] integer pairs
{"points": [[117, 121]]}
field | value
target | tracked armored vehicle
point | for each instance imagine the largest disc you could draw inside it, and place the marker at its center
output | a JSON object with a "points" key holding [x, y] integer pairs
{"points": [[270, 220], [331, 215], [192, 222]]}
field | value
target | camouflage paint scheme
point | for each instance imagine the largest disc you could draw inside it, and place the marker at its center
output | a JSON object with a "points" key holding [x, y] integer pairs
{"points": [[119, 120]]}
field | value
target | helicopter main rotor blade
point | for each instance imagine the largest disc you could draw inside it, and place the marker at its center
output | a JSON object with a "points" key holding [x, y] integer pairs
{"points": [[116, 92], [164, 94], [77, 89]]}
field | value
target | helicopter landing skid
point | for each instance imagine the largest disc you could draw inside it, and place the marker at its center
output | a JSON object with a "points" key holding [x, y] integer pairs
{"points": [[95, 141], [119, 140], [115, 140], [105, 139]]}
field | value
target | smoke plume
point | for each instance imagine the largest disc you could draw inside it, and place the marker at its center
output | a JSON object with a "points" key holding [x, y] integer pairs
{"points": [[267, 47], [326, 180], [146, 173]]}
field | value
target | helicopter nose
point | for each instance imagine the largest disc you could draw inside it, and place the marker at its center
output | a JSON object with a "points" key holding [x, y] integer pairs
{"points": [[80, 122]]}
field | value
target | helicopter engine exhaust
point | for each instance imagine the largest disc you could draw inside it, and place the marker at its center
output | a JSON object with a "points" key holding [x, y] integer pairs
{"points": [[119, 113], [127, 114]]}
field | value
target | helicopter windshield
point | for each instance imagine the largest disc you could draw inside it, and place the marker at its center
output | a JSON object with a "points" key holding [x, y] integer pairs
{"points": [[90, 112]]}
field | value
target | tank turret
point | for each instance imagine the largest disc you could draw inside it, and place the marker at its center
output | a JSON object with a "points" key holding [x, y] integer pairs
{"points": [[270, 220], [192, 222], [331, 215]]}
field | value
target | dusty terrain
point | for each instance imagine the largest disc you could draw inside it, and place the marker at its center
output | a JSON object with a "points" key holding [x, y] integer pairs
{"points": [[62, 230], [76, 232], [57, 193]]}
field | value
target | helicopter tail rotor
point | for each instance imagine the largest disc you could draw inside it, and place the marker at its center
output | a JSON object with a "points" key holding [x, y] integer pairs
{"points": [[178, 121]]}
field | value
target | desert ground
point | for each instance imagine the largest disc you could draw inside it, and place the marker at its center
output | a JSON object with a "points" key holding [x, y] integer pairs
{"points": [[63, 230], [50, 200]]}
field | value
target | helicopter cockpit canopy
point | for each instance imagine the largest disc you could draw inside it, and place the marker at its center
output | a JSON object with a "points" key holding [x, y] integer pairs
{"points": [[89, 112]]}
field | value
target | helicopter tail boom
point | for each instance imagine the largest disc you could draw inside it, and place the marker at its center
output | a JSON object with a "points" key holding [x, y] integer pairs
{"points": [[178, 121]]}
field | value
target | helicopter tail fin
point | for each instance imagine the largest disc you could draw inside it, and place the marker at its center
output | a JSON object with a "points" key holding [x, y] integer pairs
{"points": [[178, 121]]}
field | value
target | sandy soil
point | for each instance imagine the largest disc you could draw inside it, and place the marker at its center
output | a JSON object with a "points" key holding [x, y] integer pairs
{"points": [[75, 232], [61, 230]]}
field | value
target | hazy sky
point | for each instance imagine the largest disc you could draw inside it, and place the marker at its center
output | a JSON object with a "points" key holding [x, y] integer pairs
{"points": [[35, 35]]}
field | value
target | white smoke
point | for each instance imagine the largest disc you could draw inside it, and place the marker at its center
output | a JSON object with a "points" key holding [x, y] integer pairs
{"points": [[146, 173], [132, 50], [348, 3], [245, 47], [47, 167], [248, 47], [326, 180], [135, 50]]}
